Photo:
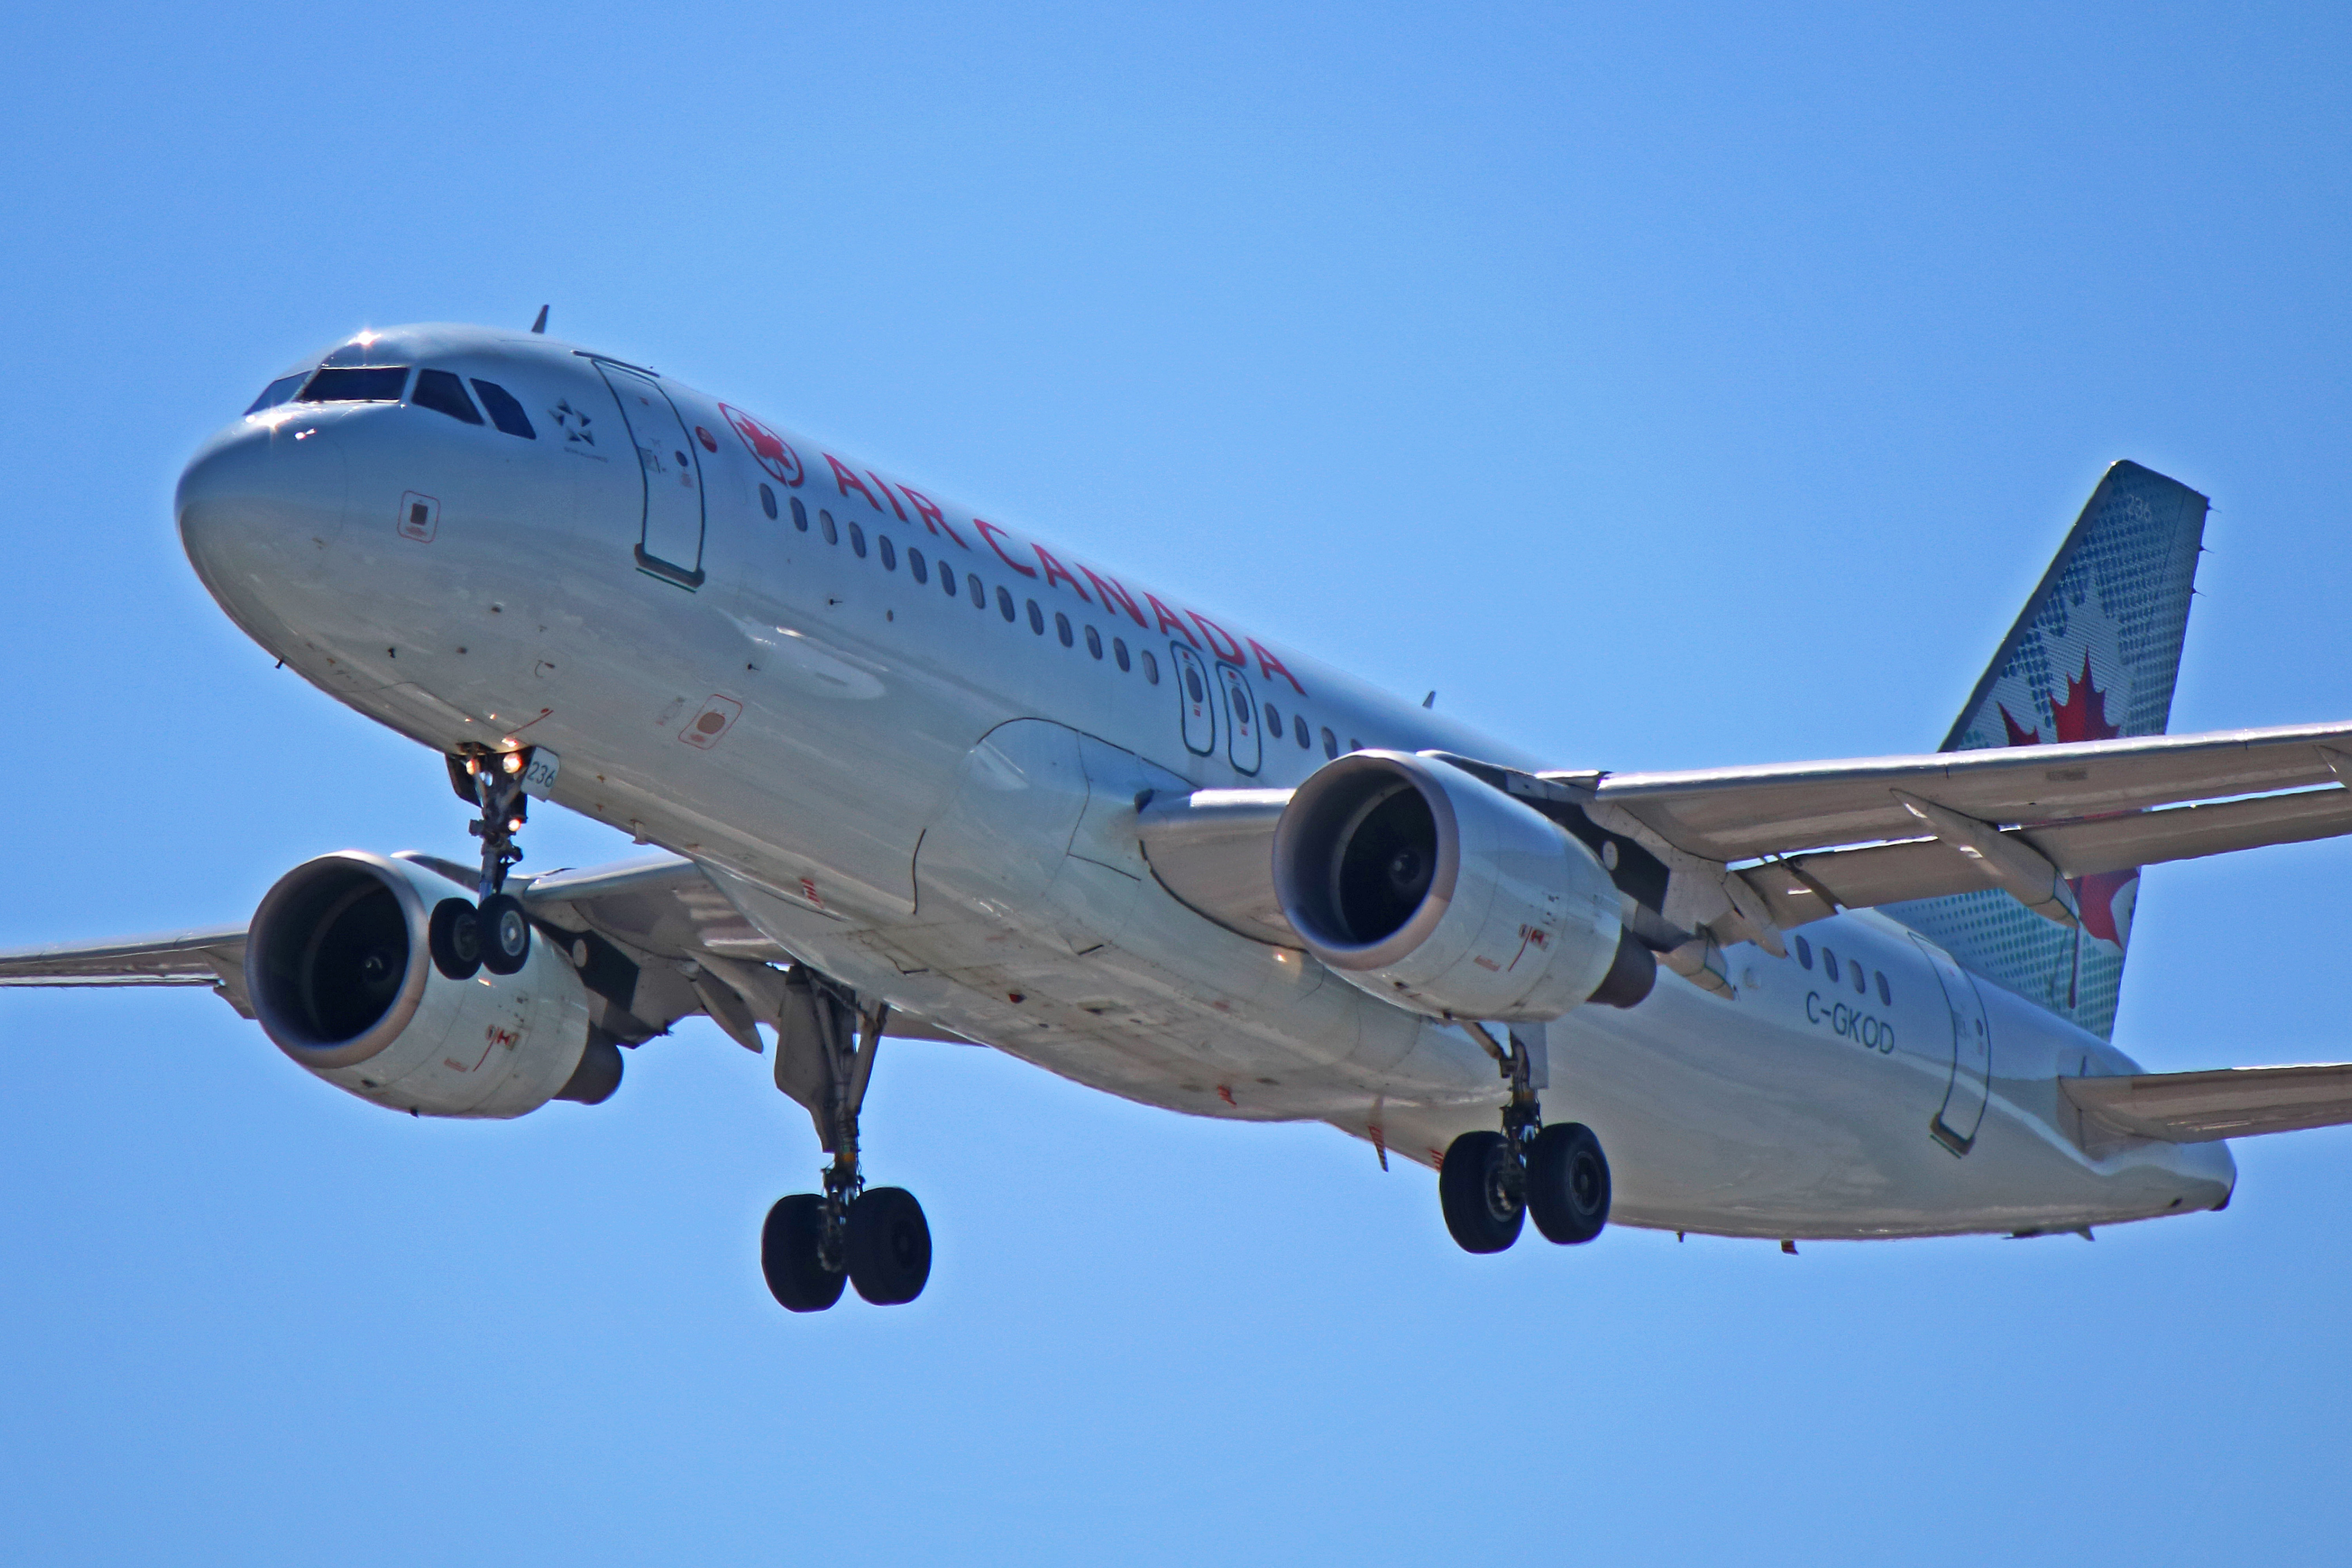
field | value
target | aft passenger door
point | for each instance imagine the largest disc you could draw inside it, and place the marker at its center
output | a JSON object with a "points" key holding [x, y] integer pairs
{"points": [[670, 547], [1955, 1123]]}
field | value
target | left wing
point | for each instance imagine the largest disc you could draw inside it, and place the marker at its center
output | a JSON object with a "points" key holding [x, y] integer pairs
{"points": [[214, 958]]}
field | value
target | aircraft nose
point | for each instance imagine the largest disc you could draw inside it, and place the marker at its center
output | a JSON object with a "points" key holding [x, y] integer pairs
{"points": [[259, 506]]}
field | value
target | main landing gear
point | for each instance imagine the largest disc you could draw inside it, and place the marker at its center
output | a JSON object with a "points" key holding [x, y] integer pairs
{"points": [[492, 932], [875, 1238], [1491, 1183]]}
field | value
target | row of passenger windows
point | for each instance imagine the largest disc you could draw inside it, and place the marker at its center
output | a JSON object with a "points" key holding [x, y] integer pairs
{"points": [[1851, 970], [1063, 631], [440, 390]]}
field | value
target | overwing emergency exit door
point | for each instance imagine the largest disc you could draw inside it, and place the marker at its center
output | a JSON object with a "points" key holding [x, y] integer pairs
{"points": [[670, 547]]}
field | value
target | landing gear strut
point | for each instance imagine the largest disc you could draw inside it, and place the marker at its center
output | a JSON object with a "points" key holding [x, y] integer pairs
{"points": [[1491, 1183], [492, 932], [875, 1238]]}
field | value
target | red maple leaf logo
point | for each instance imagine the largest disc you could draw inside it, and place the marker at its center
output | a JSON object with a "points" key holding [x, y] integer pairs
{"points": [[2083, 715]]}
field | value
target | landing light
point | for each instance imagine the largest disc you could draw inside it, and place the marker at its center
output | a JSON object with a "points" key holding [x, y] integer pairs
{"points": [[511, 761]]}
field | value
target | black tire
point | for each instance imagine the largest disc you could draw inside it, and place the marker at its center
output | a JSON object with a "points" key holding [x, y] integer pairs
{"points": [[1480, 1188], [797, 1276], [889, 1245], [1568, 1184], [455, 940], [505, 933]]}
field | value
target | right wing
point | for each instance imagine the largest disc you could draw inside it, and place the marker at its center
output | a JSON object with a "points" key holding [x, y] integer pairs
{"points": [[654, 940]]}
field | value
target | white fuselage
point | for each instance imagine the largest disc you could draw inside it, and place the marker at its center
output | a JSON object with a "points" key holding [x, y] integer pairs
{"points": [[927, 790]]}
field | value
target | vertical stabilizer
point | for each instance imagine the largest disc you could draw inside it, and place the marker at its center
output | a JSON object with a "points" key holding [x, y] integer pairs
{"points": [[2094, 655]]}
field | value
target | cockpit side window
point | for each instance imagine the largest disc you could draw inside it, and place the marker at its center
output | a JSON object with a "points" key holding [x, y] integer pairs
{"points": [[371, 384], [505, 412], [277, 392], [444, 393]]}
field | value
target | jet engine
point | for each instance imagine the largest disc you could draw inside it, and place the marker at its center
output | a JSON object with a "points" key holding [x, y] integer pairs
{"points": [[338, 970], [1423, 885]]}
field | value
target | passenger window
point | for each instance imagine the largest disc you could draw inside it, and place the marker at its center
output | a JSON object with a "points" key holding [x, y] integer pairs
{"points": [[1062, 628], [1118, 653], [1804, 952], [276, 393], [506, 413], [1272, 719], [1861, 980], [1330, 742], [857, 541], [1828, 963], [1004, 605], [799, 515], [1036, 618], [824, 523], [768, 502], [1298, 730], [915, 564], [889, 552], [1885, 996], [978, 594], [1151, 667], [444, 393], [371, 384]]}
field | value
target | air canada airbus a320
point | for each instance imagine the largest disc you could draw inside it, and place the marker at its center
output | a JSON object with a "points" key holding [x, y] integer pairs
{"points": [[916, 773]]}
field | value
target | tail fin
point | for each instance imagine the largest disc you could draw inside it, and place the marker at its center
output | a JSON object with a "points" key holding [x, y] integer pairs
{"points": [[2094, 655]]}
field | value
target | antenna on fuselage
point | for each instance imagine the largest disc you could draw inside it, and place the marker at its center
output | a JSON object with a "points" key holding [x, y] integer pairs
{"points": [[540, 324], [1430, 700]]}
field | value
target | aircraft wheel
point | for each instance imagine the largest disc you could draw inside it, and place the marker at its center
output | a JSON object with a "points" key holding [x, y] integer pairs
{"points": [[455, 940], [789, 1257], [889, 1245], [1568, 1184], [504, 934], [1480, 1187]]}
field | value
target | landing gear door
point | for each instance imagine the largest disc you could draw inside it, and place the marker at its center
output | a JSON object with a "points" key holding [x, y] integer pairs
{"points": [[1955, 1123], [671, 546], [1244, 742], [1196, 692]]}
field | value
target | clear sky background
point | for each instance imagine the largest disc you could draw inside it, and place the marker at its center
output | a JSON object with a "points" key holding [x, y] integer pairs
{"points": [[1663, 385]]}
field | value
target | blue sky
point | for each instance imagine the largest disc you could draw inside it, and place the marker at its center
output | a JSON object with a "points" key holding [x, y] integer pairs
{"points": [[1663, 386]]}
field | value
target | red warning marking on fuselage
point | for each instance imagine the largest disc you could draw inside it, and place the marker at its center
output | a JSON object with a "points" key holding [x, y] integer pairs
{"points": [[1225, 1093]]}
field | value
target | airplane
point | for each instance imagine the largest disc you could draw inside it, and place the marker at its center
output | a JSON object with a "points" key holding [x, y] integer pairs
{"points": [[907, 771]]}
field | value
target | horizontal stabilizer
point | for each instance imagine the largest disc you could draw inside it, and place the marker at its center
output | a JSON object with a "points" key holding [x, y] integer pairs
{"points": [[2227, 1103]]}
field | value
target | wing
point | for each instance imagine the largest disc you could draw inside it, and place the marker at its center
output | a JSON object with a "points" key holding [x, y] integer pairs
{"points": [[214, 958], [654, 942], [2201, 1106], [1810, 839]]}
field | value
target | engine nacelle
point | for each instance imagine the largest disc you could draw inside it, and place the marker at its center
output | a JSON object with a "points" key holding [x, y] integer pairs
{"points": [[341, 976], [1433, 889]]}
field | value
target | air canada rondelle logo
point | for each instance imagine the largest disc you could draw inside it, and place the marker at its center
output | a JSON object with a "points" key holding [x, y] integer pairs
{"points": [[766, 446]]}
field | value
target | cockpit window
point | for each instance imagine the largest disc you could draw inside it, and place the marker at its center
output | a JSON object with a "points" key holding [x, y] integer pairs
{"points": [[374, 383], [444, 393], [276, 393], [505, 412]]}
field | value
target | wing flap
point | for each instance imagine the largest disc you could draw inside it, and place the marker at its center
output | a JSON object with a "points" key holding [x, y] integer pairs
{"points": [[2227, 1103]]}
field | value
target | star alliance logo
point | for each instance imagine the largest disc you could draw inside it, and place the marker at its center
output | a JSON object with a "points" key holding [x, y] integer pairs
{"points": [[572, 423]]}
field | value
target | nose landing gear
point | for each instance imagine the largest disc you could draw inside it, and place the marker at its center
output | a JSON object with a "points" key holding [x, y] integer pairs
{"points": [[875, 1238], [1490, 1183], [492, 934]]}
